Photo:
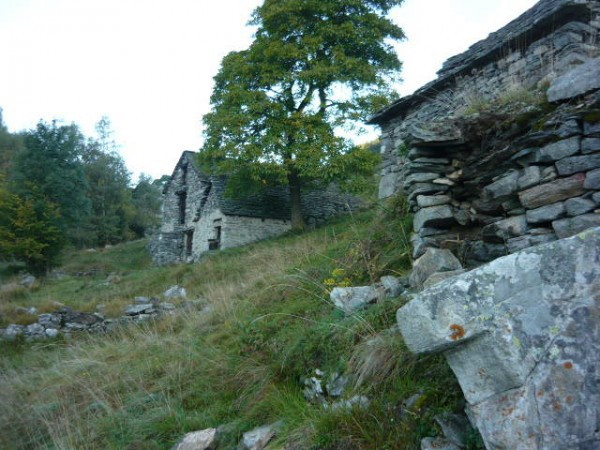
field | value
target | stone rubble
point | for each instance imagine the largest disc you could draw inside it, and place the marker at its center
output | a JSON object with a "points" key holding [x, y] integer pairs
{"points": [[198, 440], [258, 438], [66, 321], [522, 336], [352, 299]]}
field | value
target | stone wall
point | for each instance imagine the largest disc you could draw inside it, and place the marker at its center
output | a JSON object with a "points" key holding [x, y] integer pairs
{"points": [[545, 42], [487, 203], [240, 231], [488, 164], [196, 206]]}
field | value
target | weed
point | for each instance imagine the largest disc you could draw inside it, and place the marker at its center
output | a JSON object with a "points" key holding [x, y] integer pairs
{"points": [[239, 364]]}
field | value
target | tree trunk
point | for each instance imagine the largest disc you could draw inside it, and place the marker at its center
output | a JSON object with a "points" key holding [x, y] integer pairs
{"points": [[295, 197]]}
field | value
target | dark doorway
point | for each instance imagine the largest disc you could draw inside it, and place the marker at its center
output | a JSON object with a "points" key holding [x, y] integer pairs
{"points": [[182, 206], [215, 242], [189, 240]]}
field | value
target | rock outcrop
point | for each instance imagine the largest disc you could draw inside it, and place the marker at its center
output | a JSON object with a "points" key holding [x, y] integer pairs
{"points": [[522, 335]]}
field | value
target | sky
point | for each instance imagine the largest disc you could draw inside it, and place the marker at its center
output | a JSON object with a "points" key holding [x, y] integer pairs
{"points": [[148, 65]]}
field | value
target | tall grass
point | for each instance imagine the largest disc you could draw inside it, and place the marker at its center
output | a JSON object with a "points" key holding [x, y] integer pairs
{"points": [[239, 362]]}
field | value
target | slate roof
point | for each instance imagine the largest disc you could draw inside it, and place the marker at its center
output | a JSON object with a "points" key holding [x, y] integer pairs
{"points": [[273, 203], [189, 157], [543, 18]]}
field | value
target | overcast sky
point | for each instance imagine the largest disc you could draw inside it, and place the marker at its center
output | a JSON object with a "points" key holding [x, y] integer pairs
{"points": [[148, 64]]}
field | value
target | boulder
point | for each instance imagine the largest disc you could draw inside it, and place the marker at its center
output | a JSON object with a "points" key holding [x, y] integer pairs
{"points": [[574, 164], [430, 443], [134, 310], [591, 128], [522, 242], [51, 320], [27, 280], [357, 401], [34, 329], [13, 331], [77, 320], [546, 213], [590, 145], [198, 440], [592, 180], [559, 150], [438, 277], [568, 227], [145, 300], [530, 176], [420, 177], [166, 306], [351, 299], [435, 216], [455, 428], [522, 336], [425, 201], [577, 82], [387, 185], [553, 192], [391, 286], [175, 292], [503, 229], [434, 260], [51, 333], [502, 187], [578, 206], [258, 438], [337, 385]]}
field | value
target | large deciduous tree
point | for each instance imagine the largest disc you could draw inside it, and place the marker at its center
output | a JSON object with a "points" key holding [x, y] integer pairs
{"points": [[314, 66]]}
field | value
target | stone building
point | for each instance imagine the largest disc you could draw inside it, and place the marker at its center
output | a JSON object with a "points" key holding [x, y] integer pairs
{"points": [[499, 158], [199, 217], [493, 158]]}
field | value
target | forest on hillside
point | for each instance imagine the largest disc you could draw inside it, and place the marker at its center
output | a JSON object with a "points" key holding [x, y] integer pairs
{"points": [[60, 188]]}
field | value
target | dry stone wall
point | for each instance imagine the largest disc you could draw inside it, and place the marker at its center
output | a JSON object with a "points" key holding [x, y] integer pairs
{"points": [[488, 165], [199, 215], [547, 41]]}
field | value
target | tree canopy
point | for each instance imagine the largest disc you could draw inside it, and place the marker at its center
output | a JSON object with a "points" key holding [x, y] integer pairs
{"points": [[314, 66], [58, 187]]}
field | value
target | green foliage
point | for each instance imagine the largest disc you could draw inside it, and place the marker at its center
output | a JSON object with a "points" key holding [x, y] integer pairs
{"points": [[50, 164], [240, 365], [313, 67], [29, 229], [10, 145], [76, 189], [147, 200], [108, 189]]}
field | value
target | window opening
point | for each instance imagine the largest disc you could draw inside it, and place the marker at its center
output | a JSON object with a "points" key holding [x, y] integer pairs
{"points": [[189, 239], [182, 206], [215, 242]]}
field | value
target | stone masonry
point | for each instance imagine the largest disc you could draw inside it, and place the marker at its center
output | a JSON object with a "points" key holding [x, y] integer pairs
{"points": [[486, 183], [199, 216]]}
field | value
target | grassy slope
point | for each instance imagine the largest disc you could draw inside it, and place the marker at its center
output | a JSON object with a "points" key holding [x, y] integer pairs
{"points": [[242, 364]]}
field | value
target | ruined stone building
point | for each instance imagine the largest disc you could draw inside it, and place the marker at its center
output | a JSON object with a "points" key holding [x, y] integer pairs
{"points": [[199, 217], [499, 158], [494, 155]]}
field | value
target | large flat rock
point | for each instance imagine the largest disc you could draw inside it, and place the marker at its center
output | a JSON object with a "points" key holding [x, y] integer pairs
{"points": [[577, 82], [522, 335]]}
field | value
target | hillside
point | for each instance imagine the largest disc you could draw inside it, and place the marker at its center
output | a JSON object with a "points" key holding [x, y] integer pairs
{"points": [[265, 324]]}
